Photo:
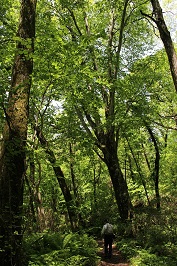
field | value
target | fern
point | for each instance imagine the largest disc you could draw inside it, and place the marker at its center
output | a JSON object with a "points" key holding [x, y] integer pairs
{"points": [[67, 239]]}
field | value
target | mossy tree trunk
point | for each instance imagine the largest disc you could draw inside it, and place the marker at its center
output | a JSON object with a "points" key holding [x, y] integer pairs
{"points": [[12, 157]]}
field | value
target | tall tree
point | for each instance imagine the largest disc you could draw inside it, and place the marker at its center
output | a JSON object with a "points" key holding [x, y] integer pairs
{"points": [[152, 110], [12, 159], [90, 55], [95, 87], [106, 135]]}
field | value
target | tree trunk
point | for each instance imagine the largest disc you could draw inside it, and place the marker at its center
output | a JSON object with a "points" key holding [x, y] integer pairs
{"points": [[12, 157], [31, 209], [118, 181], [166, 39], [78, 215], [41, 220], [73, 178], [60, 177], [155, 173], [139, 173]]}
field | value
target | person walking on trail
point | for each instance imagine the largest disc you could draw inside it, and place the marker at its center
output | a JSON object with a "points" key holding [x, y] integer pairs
{"points": [[107, 233]]}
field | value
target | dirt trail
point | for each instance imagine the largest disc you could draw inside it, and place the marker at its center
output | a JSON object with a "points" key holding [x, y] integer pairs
{"points": [[116, 260]]}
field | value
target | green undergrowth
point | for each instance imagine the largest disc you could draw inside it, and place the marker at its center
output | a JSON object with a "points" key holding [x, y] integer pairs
{"points": [[152, 248], [153, 241], [69, 249], [139, 256]]}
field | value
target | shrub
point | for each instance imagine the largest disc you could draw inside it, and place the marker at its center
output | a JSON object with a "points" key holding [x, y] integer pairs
{"points": [[61, 250], [128, 247], [144, 258]]}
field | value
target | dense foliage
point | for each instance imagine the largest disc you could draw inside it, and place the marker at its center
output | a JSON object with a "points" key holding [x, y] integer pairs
{"points": [[155, 241], [101, 139], [61, 249]]}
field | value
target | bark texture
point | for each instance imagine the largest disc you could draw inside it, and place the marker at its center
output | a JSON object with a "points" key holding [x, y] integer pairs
{"points": [[12, 156], [117, 178], [166, 39]]}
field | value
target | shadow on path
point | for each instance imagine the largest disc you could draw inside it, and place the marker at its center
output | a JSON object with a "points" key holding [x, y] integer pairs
{"points": [[116, 259]]}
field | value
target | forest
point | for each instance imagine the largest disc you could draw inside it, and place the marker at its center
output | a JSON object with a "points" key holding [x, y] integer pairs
{"points": [[88, 132]]}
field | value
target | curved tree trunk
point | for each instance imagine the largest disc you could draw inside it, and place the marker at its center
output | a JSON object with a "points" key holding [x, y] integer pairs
{"points": [[165, 36], [70, 203], [166, 39], [12, 157]]}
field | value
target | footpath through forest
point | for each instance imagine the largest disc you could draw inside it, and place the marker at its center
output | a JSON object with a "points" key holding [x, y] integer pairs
{"points": [[116, 259]]}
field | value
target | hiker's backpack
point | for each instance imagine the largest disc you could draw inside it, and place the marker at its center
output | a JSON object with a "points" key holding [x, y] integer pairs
{"points": [[108, 230]]}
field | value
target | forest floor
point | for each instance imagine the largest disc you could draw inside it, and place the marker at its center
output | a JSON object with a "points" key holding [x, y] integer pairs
{"points": [[116, 259]]}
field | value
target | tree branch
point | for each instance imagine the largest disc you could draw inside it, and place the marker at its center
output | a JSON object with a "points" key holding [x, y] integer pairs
{"points": [[75, 22]]}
